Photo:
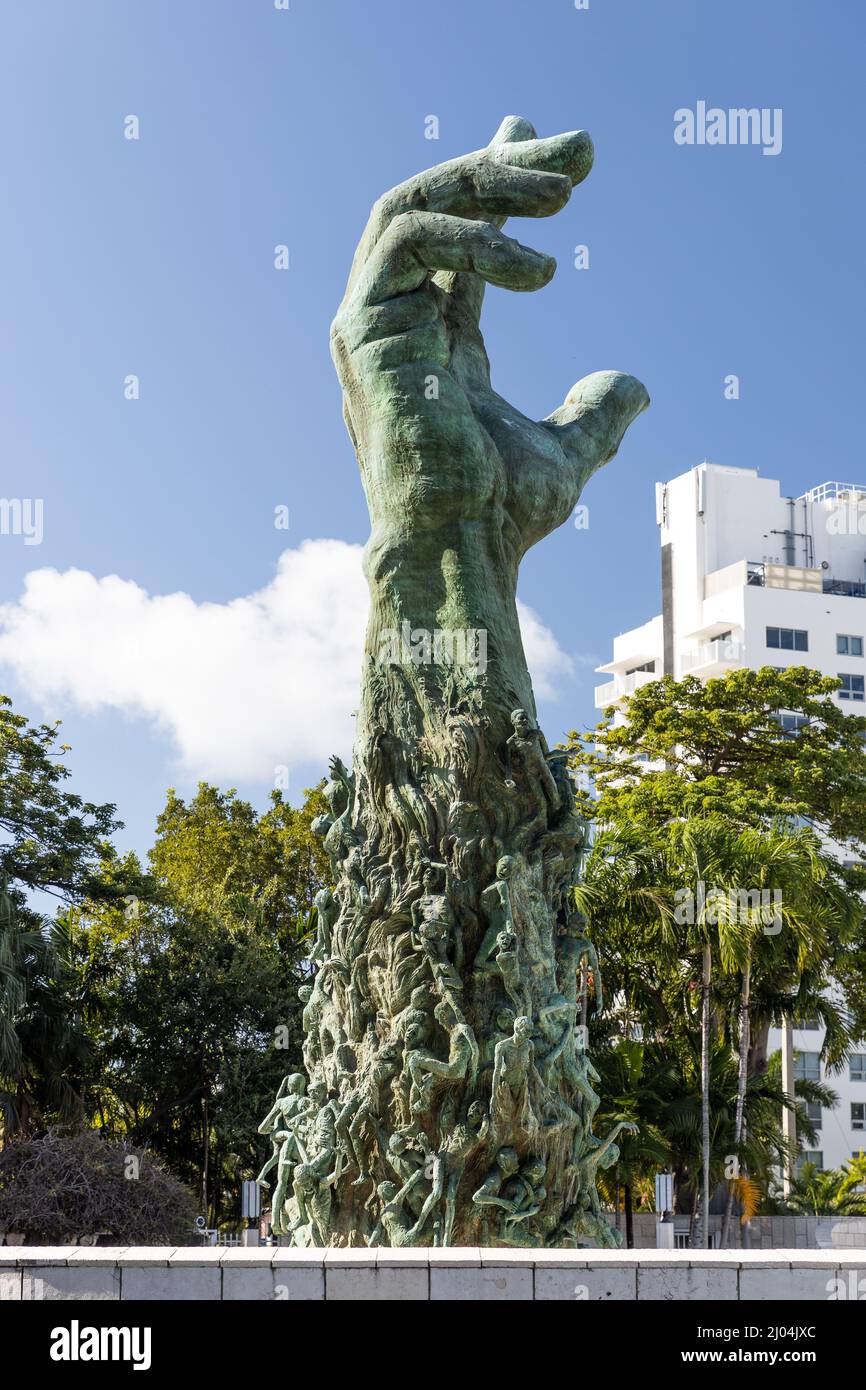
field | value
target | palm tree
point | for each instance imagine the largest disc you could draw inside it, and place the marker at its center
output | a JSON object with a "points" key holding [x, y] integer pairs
{"points": [[699, 854], [784, 891], [763, 1150], [634, 1086], [626, 901], [41, 1045], [831, 1191]]}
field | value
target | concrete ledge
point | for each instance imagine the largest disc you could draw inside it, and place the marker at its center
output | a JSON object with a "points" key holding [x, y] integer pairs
{"points": [[463, 1274]]}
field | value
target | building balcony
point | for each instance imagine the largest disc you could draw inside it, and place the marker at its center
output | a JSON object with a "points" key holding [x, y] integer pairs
{"points": [[845, 588], [712, 658], [764, 575], [835, 492], [614, 691]]}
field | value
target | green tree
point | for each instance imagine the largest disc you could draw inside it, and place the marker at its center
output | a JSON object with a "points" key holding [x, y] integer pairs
{"points": [[705, 784], [720, 748], [635, 1085], [54, 846], [53, 841], [190, 995], [829, 1192], [41, 1042]]}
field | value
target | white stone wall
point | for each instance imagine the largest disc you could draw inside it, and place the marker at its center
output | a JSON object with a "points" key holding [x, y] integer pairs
{"points": [[464, 1275]]}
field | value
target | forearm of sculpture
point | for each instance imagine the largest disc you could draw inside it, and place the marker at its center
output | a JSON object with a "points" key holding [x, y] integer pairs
{"points": [[429, 1203], [525, 1214], [269, 1122], [487, 1199], [408, 1185], [608, 1141]]}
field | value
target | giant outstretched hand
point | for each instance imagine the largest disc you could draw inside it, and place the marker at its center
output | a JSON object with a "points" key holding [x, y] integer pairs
{"points": [[454, 842], [440, 452]]}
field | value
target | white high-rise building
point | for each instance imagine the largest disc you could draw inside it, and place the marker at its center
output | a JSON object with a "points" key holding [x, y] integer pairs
{"points": [[752, 578]]}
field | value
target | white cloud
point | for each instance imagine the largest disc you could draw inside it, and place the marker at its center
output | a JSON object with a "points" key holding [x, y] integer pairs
{"points": [[546, 660], [240, 687]]}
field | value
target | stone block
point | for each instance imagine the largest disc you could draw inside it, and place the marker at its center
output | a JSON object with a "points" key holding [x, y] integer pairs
{"points": [[585, 1284], [481, 1284], [299, 1275], [686, 1283], [787, 1285], [380, 1283], [86, 1282], [161, 1282], [248, 1284]]}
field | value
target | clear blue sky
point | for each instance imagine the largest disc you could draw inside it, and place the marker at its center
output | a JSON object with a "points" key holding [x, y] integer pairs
{"points": [[261, 127]]}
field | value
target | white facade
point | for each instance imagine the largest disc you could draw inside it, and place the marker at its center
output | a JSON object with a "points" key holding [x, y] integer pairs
{"points": [[751, 578]]}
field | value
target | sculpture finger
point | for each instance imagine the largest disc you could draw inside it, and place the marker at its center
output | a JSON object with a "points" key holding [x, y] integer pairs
{"points": [[484, 185], [467, 291], [514, 128], [570, 154], [472, 185], [495, 191], [417, 243], [594, 416]]}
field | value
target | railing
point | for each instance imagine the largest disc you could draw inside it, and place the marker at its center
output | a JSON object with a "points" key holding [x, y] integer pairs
{"points": [[847, 588], [718, 652], [832, 492], [623, 685]]}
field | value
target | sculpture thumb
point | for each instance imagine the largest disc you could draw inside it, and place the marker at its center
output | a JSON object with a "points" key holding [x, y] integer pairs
{"points": [[594, 417]]}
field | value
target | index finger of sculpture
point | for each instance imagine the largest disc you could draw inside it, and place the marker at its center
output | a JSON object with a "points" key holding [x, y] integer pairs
{"points": [[417, 243], [570, 154], [497, 191]]}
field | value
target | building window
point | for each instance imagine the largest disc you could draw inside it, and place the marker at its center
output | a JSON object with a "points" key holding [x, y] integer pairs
{"points": [[807, 1066], [846, 645], [813, 1110], [647, 666], [792, 722], [788, 639], [809, 1025], [858, 1114], [813, 1156], [852, 687], [857, 1066]]}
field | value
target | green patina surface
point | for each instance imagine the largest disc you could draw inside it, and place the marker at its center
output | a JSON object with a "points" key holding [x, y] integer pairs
{"points": [[449, 1098]]}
